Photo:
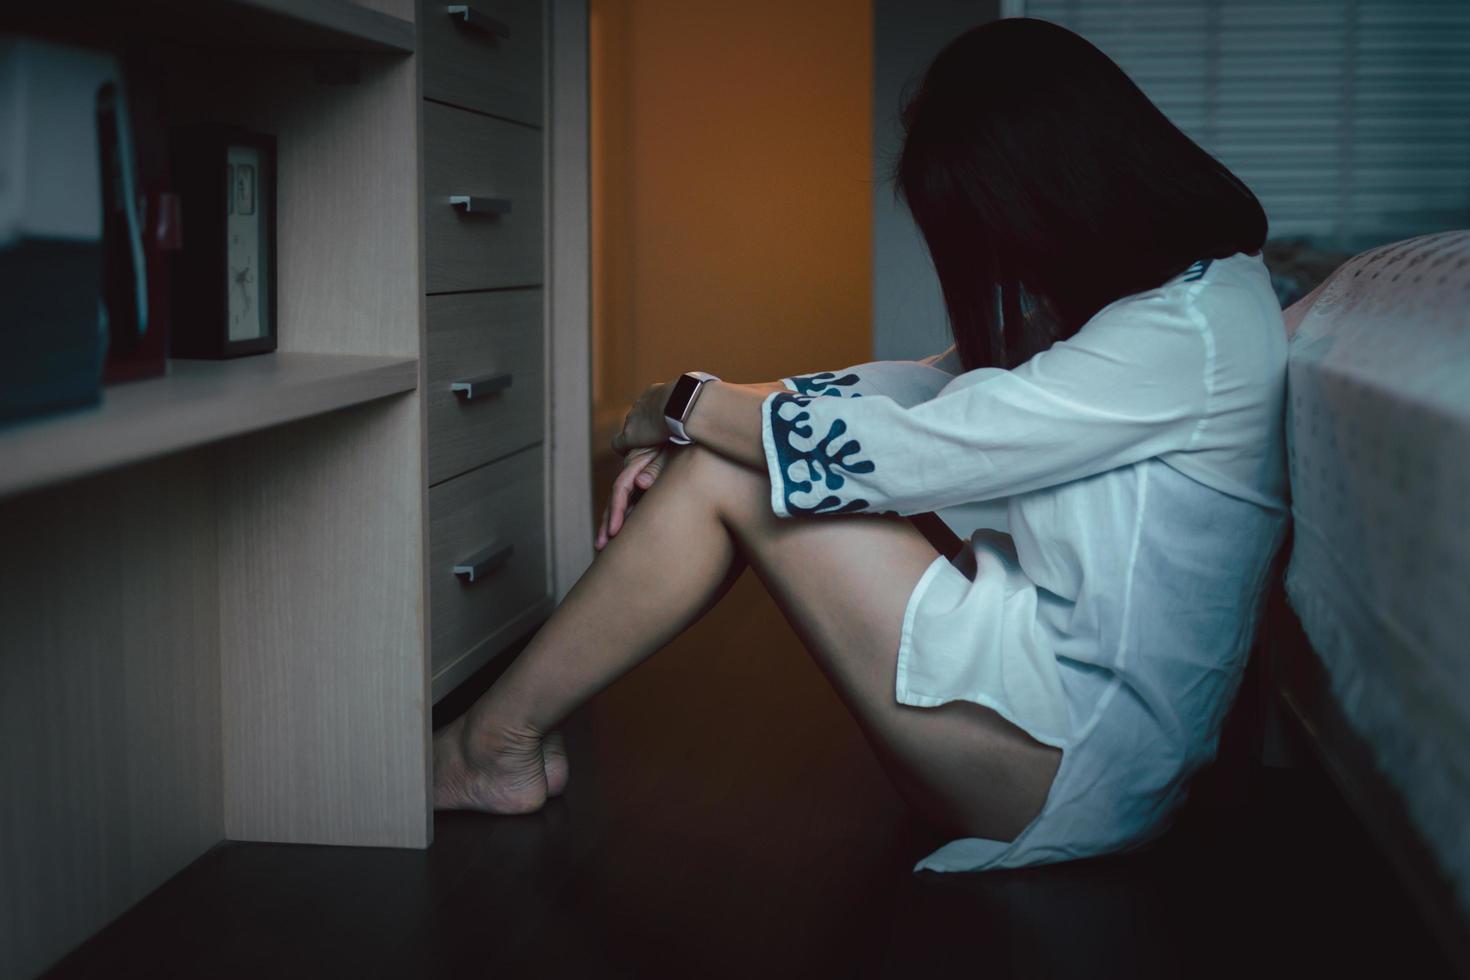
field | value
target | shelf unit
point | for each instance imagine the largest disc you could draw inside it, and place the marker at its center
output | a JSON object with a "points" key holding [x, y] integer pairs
{"points": [[300, 25], [214, 586], [196, 403]]}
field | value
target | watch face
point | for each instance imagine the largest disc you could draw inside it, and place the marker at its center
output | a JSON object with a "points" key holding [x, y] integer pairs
{"points": [[678, 403], [244, 238]]}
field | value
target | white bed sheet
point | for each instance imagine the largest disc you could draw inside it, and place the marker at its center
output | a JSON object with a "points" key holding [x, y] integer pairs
{"points": [[1378, 431]]}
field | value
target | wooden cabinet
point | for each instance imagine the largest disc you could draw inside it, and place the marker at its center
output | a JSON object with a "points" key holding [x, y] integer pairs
{"points": [[229, 596], [486, 56], [487, 560], [486, 390], [484, 166], [482, 201]]}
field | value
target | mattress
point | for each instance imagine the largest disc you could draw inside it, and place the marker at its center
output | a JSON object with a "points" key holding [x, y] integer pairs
{"points": [[1378, 435]]}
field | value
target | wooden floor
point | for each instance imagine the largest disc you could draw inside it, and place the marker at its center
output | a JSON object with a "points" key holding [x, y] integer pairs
{"points": [[726, 819]]}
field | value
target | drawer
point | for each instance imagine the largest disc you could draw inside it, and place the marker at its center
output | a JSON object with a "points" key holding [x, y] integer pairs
{"points": [[494, 345], [473, 64], [495, 506], [488, 160]]}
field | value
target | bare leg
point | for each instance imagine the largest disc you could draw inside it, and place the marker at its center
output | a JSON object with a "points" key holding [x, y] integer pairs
{"points": [[670, 563], [841, 581]]}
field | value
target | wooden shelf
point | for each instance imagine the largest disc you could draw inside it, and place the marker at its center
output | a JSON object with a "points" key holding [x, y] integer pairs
{"points": [[340, 23], [197, 402], [309, 25]]}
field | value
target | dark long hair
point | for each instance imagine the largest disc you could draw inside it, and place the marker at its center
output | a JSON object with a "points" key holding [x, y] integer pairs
{"points": [[1042, 177]]}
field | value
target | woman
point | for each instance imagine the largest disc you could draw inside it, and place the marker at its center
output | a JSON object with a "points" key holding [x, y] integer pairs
{"points": [[1117, 377]]}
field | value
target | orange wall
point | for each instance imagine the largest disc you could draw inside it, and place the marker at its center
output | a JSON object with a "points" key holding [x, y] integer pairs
{"points": [[731, 214]]}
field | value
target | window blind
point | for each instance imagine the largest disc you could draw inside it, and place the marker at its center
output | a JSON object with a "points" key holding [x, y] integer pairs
{"points": [[1350, 119]]}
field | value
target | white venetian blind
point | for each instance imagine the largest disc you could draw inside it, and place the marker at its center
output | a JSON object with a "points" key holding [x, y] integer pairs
{"points": [[1350, 119]]}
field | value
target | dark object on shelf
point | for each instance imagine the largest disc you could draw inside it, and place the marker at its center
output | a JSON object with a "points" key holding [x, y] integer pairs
{"points": [[224, 276], [138, 231], [57, 101]]}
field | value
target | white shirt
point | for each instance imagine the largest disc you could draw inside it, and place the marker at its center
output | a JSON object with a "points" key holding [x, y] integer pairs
{"points": [[1143, 467]]}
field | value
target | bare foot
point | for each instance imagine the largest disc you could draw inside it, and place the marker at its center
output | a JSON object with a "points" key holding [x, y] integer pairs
{"points": [[554, 749], [495, 772]]}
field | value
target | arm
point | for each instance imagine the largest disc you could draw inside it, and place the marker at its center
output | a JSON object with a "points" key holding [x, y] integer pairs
{"points": [[727, 419], [947, 360], [730, 423], [1128, 386], [643, 441]]}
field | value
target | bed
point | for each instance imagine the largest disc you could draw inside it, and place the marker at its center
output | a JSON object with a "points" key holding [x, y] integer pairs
{"points": [[1367, 647]]}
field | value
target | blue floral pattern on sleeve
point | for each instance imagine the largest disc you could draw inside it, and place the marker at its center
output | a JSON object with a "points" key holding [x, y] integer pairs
{"points": [[826, 383], [812, 468]]}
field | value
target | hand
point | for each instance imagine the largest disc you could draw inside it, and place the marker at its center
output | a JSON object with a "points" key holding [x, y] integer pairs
{"points": [[640, 468], [644, 424]]}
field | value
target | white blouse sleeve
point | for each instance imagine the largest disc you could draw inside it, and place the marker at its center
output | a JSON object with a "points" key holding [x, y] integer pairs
{"points": [[1131, 384], [906, 382]]}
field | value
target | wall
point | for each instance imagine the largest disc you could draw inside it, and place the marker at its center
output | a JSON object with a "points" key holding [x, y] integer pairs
{"points": [[908, 311], [731, 216]]}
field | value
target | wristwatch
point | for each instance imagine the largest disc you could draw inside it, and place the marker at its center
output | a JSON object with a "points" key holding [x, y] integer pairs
{"points": [[681, 403]]}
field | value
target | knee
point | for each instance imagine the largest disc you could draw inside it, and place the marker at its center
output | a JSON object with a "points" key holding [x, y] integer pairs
{"points": [[729, 485], [702, 464]]}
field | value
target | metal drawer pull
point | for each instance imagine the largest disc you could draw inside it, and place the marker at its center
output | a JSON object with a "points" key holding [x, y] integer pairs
{"points": [[483, 386], [480, 205], [479, 20], [482, 563]]}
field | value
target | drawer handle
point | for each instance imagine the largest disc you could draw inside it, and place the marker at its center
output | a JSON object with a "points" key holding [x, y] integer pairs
{"points": [[483, 386], [479, 20], [480, 205], [482, 563]]}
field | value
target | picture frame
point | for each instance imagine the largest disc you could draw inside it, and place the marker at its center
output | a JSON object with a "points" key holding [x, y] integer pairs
{"points": [[224, 275]]}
